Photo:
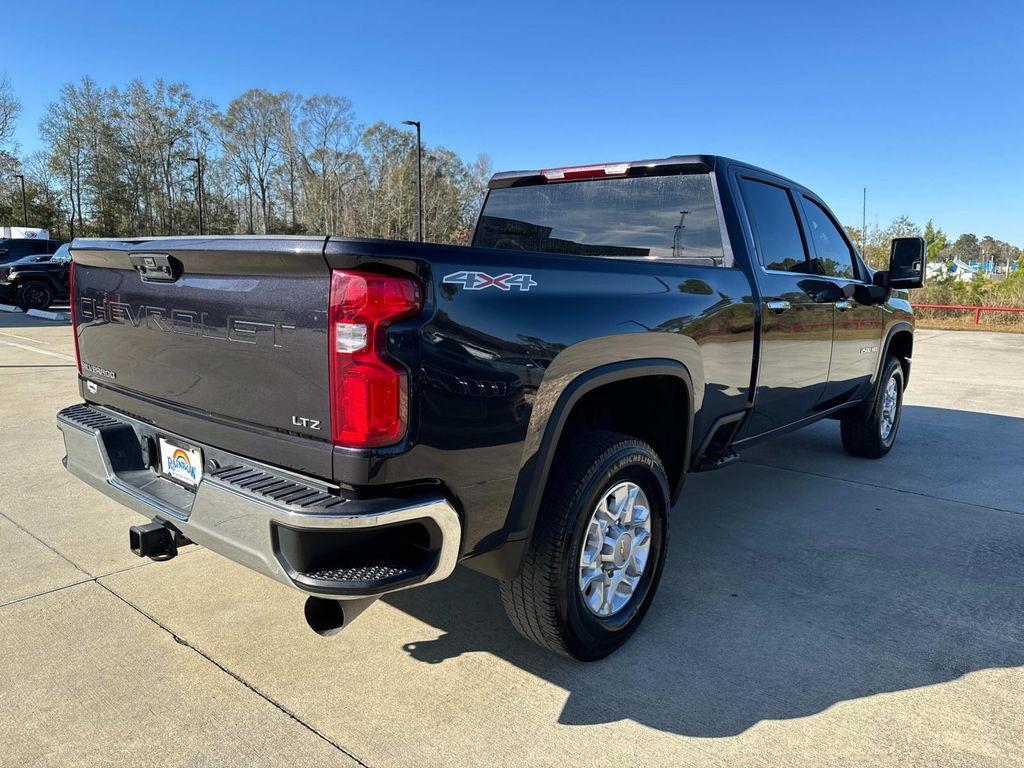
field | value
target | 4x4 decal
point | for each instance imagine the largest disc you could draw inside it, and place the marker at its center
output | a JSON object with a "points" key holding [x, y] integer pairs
{"points": [[477, 281]]}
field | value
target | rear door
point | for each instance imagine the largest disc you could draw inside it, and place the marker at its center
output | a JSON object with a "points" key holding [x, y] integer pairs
{"points": [[858, 325], [796, 318]]}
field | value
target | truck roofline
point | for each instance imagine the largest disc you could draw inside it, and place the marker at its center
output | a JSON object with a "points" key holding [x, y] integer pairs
{"points": [[699, 163]]}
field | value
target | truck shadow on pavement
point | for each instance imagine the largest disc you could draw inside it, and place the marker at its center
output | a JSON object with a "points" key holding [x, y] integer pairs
{"points": [[787, 592]]}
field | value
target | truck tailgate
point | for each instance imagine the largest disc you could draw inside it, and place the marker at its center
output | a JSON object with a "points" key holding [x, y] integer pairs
{"points": [[237, 331]]}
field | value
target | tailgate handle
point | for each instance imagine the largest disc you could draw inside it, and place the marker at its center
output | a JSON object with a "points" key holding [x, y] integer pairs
{"points": [[156, 267]]}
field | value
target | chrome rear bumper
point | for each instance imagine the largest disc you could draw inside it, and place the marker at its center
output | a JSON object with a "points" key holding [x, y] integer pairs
{"points": [[298, 530]]}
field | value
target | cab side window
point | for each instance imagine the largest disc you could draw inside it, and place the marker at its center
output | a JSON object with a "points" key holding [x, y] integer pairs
{"points": [[773, 219], [834, 257]]}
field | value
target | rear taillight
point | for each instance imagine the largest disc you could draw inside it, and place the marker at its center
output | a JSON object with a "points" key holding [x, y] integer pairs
{"points": [[369, 392], [74, 313]]}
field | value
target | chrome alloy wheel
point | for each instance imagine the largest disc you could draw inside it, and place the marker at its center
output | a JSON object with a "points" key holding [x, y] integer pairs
{"points": [[615, 550], [889, 404]]}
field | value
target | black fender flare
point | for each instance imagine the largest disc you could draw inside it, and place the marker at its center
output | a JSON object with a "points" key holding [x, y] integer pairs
{"points": [[900, 326], [505, 561]]}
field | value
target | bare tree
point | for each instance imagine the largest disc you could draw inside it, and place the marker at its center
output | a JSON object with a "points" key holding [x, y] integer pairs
{"points": [[10, 108], [64, 128], [330, 141], [118, 163], [291, 160], [250, 137]]}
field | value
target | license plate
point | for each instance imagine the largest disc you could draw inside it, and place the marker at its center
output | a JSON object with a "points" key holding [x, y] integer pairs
{"points": [[182, 464]]}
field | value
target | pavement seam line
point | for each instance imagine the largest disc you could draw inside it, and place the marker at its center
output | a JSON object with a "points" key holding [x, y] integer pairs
{"points": [[89, 580], [270, 700], [883, 487], [17, 600], [53, 549]]}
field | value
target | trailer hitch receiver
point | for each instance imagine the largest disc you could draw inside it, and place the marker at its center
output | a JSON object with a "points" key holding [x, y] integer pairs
{"points": [[155, 540]]}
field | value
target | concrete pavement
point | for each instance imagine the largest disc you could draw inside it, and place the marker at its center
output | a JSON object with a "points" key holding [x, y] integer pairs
{"points": [[816, 610]]}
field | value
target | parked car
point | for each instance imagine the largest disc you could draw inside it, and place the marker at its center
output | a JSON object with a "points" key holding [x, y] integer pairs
{"points": [[15, 248], [36, 282], [353, 417]]}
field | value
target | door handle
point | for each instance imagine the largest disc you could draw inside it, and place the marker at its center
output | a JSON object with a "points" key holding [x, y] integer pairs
{"points": [[842, 305], [778, 306]]}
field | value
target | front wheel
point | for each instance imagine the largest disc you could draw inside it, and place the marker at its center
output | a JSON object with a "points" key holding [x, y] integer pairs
{"points": [[597, 551], [34, 295], [871, 433]]}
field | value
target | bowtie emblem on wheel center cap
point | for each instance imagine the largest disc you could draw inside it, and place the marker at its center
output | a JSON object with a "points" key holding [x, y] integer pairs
{"points": [[623, 549]]}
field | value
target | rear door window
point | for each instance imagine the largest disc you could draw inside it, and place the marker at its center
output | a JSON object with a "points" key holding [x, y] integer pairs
{"points": [[834, 255], [775, 226], [650, 217]]}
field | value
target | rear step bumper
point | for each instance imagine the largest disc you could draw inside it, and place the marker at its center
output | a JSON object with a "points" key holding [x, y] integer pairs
{"points": [[297, 530]]}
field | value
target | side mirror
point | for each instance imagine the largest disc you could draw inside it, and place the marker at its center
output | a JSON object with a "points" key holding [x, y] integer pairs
{"points": [[906, 263]]}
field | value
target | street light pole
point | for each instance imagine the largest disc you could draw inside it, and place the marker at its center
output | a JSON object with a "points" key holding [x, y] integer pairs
{"points": [[24, 200], [864, 222], [199, 188], [419, 169]]}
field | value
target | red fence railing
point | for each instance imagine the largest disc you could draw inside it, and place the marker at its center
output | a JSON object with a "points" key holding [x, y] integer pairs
{"points": [[976, 310]]}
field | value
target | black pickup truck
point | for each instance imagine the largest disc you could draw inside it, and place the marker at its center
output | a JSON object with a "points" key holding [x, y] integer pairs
{"points": [[36, 282], [353, 417]]}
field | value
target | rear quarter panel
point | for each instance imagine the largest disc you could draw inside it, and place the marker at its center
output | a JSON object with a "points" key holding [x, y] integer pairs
{"points": [[491, 364]]}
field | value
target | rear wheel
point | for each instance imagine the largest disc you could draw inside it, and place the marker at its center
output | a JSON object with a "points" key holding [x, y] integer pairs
{"points": [[34, 294], [595, 559], [871, 433]]}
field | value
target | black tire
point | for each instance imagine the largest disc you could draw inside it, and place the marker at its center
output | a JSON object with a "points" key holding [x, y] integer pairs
{"points": [[544, 602], [862, 428], [34, 294]]}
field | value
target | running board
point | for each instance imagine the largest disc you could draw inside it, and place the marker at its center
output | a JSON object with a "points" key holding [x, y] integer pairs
{"points": [[716, 451], [716, 461]]}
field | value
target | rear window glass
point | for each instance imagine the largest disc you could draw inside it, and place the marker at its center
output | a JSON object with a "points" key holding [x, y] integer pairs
{"points": [[651, 217], [775, 226]]}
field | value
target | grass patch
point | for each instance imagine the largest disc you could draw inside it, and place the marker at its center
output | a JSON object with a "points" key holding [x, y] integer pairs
{"points": [[984, 292]]}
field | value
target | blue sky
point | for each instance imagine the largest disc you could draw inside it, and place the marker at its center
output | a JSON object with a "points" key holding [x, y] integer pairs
{"points": [[922, 102]]}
